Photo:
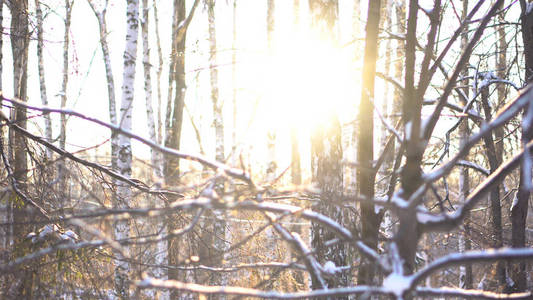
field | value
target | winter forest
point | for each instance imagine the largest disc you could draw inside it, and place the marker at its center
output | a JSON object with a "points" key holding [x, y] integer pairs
{"points": [[266, 149]]}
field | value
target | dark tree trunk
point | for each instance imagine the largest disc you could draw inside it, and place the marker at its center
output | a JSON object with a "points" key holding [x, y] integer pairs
{"points": [[326, 157], [496, 236], [465, 274], [365, 147], [520, 204], [408, 232], [19, 46], [174, 117], [174, 120]]}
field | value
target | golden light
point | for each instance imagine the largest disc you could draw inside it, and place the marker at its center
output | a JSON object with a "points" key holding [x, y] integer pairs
{"points": [[305, 80], [310, 80]]}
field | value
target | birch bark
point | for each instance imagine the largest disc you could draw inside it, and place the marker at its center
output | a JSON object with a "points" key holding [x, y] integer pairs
{"points": [[159, 74], [122, 227], [155, 155], [42, 83], [64, 86], [161, 249], [219, 224]]}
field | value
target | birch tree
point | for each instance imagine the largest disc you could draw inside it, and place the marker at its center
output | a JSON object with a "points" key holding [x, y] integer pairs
{"points": [[62, 170], [100, 15], [296, 170], [42, 76], [122, 227], [152, 132], [218, 224], [271, 134], [161, 249], [234, 87]]}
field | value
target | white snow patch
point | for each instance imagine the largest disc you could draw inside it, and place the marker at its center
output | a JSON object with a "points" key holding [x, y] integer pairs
{"points": [[377, 209], [509, 280], [147, 281], [33, 237], [424, 218], [71, 234], [515, 203], [46, 230], [330, 267], [397, 284], [399, 201]]}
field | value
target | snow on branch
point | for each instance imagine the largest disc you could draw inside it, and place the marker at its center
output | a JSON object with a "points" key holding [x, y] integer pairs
{"points": [[450, 221], [113, 174], [509, 111], [152, 283], [149, 282], [217, 166], [470, 257], [447, 292]]}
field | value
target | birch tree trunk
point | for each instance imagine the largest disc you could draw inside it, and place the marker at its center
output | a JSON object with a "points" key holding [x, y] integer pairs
{"points": [[296, 170], [62, 170], [42, 83], [122, 227], [161, 249], [111, 92], [234, 84], [271, 134], [159, 74], [155, 155], [66, 42], [370, 220], [219, 224]]}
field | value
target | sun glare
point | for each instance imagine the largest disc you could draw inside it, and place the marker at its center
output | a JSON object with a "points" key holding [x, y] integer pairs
{"points": [[305, 81], [311, 79]]}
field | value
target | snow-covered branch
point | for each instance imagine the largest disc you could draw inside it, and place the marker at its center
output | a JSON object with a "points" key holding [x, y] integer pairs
{"points": [[232, 172]]}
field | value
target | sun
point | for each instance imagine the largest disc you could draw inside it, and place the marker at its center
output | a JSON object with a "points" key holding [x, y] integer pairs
{"points": [[311, 79], [308, 80]]}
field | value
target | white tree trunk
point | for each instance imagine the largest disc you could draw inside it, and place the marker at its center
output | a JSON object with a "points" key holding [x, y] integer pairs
{"points": [[155, 155], [102, 24], [42, 84], [122, 227], [161, 250], [159, 73], [219, 225], [62, 170], [234, 86], [64, 85]]}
